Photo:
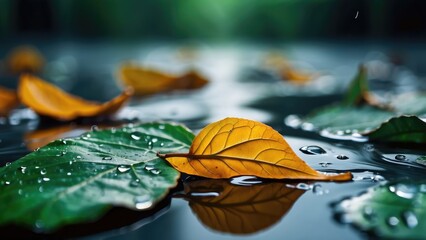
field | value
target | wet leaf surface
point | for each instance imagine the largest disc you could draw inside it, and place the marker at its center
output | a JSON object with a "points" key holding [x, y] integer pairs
{"points": [[237, 209], [147, 81], [237, 147], [360, 115], [50, 101], [79, 179], [392, 210]]}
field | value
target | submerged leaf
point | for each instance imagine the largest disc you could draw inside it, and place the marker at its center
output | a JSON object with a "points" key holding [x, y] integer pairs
{"points": [[8, 101], [48, 100], [79, 179], [25, 59], [235, 147], [235, 209], [393, 210], [287, 71], [147, 81]]}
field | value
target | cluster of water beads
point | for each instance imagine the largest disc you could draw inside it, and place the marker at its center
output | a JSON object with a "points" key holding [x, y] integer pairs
{"points": [[316, 188]]}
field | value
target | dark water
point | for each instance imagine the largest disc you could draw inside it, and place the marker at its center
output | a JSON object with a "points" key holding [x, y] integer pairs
{"points": [[238, 88]]}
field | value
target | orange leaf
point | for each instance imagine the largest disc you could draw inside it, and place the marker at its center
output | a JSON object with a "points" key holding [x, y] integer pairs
{"points": [[8, 101], [235, 147], [146, 81], [239, 209], [25, 59], [41, 137], [48, 100]]}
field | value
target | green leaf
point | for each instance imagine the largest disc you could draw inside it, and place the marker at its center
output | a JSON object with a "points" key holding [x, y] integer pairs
{"points": [[341, 121], [354, 118], [400, 129], [396, 211], [357, 88], [78, 180]]}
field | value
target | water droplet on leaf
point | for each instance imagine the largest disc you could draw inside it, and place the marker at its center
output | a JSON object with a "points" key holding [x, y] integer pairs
{"points": [[123, 168], [142, 202]]}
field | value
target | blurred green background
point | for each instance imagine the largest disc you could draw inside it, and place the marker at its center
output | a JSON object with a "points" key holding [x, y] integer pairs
{"points": [[264, 20]]}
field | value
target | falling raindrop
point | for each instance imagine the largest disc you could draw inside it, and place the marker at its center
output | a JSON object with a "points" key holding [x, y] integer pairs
{"points": [[312, 150]]}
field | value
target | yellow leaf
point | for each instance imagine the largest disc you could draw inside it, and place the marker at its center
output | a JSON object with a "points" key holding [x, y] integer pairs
{"points": [[25, 59], [146, 81], [235, 147], [239, 209], [8, 101], [48, 100], [287, 71]]}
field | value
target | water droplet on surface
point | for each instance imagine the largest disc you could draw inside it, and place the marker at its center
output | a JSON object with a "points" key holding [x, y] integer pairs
{"points": [[312, 150], [149, 167], [369, 147], [142, 202], [107, 158], [245, 181], [204, 194], [293, 121], [150, 145], [392, 221], [155, 171], [303, 186], [410, 219], [23, 169], [43, 171], [6, 183], [46, 179], [134, 183], [161, 126], [400, 157], [135, 136], [64, 141], [161, 144], [68, 174], [342, 157], [317, 189], [324, 164], [369, 213], [78, 157], [154, 140], [41, 189], [123, 168], [403, 190], [8, 163], [94, 128]]}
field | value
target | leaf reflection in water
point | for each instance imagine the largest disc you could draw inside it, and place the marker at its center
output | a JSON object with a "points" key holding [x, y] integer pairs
{"points": [[237, 209]]}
